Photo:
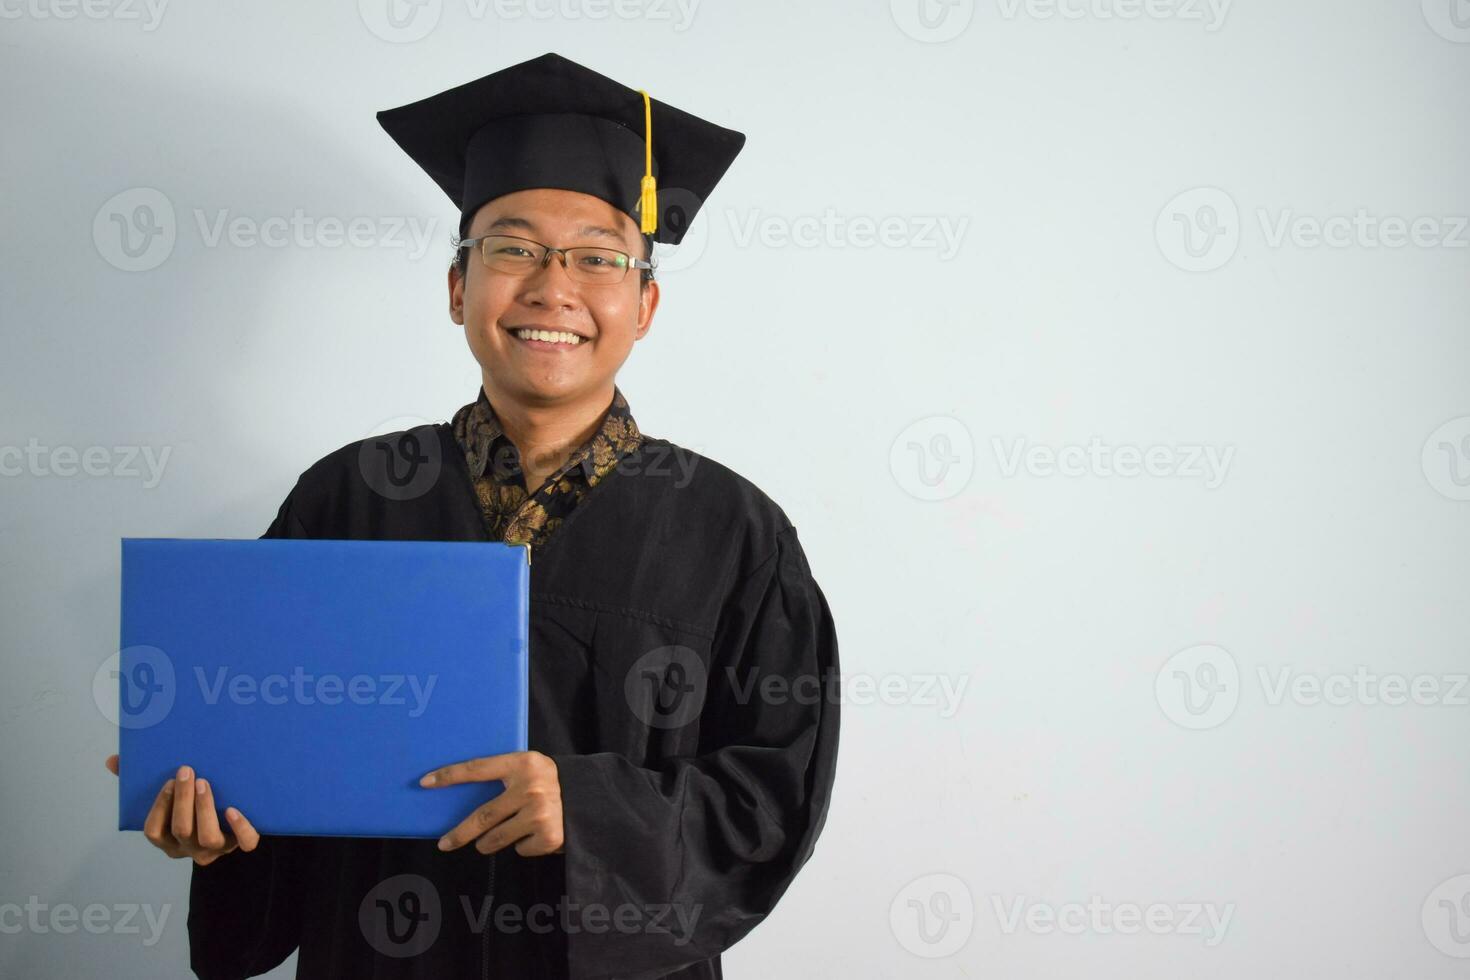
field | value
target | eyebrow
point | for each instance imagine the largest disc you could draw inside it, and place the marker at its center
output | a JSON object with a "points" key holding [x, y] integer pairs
{"points": [[512, 221]]}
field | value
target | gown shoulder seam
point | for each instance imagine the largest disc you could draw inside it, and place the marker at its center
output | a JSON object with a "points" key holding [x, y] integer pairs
{"points": [[760, 566]]}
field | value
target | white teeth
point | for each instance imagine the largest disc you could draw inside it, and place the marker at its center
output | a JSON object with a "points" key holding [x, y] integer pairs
{"points": [[551, 336]]}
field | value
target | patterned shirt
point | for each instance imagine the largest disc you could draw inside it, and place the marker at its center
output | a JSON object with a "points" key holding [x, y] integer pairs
{"points": [[495, 466]]}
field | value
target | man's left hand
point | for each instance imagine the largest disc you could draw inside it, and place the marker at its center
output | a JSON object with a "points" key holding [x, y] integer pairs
{"points": [[527, 813]]}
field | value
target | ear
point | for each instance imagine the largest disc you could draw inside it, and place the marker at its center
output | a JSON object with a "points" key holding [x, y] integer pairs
{"points": [[456, 295], [647, 304]]}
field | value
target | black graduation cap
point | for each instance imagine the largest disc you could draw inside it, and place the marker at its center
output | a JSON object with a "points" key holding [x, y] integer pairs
{"points": [[550, 122]]}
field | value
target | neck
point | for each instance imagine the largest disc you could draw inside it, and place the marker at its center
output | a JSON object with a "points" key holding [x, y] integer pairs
{"points": [[546, 434]]}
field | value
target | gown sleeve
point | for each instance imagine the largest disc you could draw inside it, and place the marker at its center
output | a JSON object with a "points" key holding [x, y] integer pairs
{"points": [[718, 836], [244, 909]]}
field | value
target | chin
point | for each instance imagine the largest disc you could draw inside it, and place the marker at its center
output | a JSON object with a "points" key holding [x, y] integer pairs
{"points": [[548, 389]]}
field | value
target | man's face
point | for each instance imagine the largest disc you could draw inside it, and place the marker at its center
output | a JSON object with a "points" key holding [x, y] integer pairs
{"points": [[492, 306]]}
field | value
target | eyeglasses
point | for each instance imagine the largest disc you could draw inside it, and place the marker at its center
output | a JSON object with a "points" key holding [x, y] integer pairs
{"points": [[583, 263]]}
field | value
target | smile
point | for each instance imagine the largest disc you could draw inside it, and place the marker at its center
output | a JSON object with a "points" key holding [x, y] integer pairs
{"points": [[549, 339]]}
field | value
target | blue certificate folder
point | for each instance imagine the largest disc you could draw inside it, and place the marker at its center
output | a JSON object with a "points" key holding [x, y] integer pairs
{"points": [[313, 682]]}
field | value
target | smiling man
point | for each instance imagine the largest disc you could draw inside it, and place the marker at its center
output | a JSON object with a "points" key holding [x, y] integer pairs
{"points": [[682, 729], [550, 331]]}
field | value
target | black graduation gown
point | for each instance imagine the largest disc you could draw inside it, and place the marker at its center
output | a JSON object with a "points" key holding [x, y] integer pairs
{"points": [[680, 836]]}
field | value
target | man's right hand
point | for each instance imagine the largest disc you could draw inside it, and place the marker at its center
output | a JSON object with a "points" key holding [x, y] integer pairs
{"points": [[183, 822]]}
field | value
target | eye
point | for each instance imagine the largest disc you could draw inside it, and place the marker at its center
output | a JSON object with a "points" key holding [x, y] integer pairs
{"points": [[513, 251], [602, 260]]}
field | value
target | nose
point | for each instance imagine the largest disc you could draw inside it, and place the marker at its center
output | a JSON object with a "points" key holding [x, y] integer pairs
{"points": [[549, 284]]}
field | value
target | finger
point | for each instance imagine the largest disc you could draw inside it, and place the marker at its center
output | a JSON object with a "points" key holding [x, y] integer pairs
{"points": [[472, 771], [245, 832], [112, 764], [183, 818], [546, 834], [206, 820], [498, 838], [156, 824], [484, 818]]}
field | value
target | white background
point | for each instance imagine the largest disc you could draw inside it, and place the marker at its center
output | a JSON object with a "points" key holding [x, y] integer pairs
{"points": [[851, 380]]}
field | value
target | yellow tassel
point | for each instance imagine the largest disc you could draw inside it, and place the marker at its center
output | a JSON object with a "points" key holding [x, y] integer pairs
{"points": [[648, 194], [648, 206]]}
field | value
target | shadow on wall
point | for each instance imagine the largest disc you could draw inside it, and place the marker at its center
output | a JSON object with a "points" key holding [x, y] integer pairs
{"points": [[103, 354]]}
